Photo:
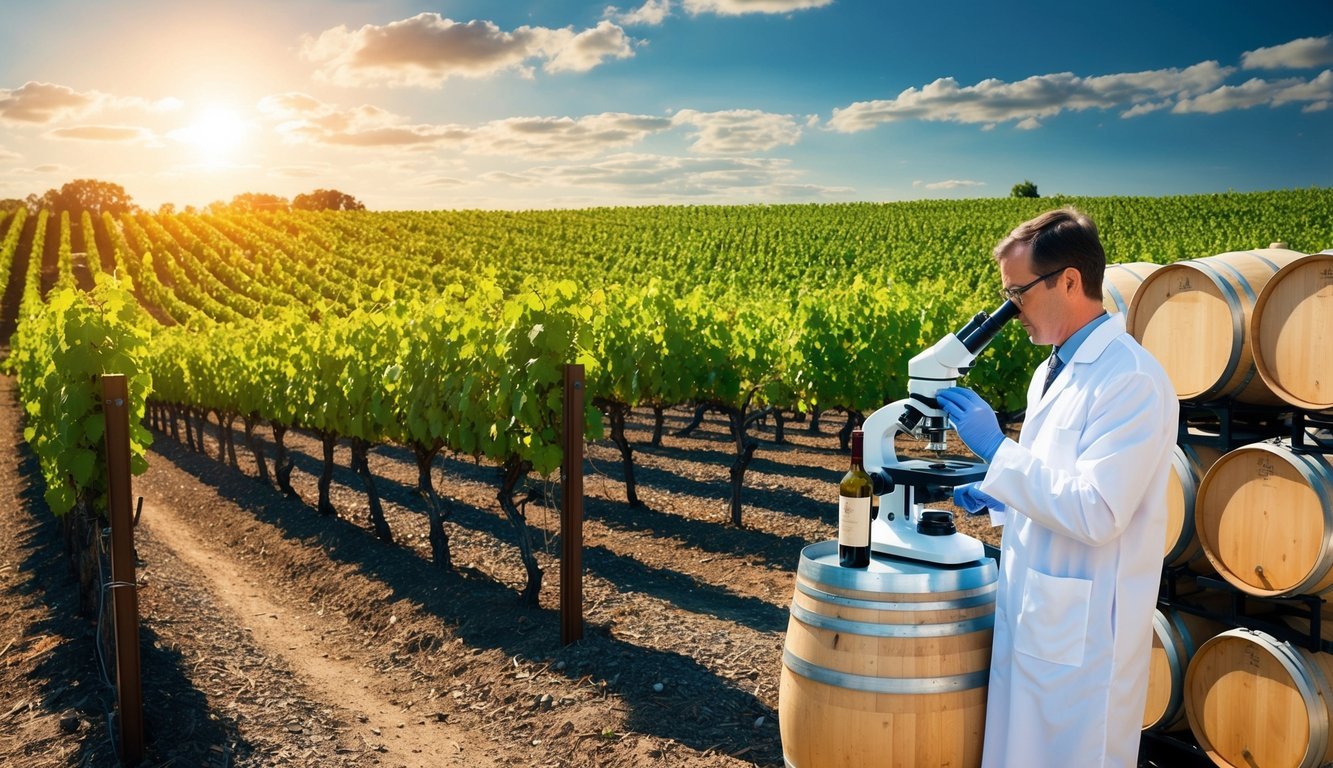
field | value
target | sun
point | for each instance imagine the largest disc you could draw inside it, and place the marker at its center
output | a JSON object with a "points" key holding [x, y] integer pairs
{"points": [[216, 132]]}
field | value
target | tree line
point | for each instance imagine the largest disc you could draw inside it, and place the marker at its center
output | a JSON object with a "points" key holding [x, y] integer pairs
{"points": [[98, 197]]}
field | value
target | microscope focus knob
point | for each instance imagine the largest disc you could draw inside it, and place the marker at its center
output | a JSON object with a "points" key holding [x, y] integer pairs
{"points": [[881, 483]]}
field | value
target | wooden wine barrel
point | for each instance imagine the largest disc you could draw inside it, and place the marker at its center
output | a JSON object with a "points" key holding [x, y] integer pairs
{"points": [[1292, 328], [1265, 519], [1254, 700], [1121, 281], [1177, 635], [1189, 463], [1193, 316], [886, 665]]}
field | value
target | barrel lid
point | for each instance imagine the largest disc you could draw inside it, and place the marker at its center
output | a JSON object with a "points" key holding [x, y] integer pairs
{"points": [[1262, 514], [886, 573], [1291, 331], [1244, 688]]}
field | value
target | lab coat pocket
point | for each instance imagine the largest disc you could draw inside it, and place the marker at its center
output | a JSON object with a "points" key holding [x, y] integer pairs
{"points": [[1053, 622], [1057, 446]]}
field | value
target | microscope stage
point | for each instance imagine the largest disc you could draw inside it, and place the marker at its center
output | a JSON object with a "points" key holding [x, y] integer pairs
{"points": [[952, 472]]}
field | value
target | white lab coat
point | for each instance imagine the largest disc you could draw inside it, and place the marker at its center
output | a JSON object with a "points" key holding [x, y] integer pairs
{"points": [[1081, 558]]}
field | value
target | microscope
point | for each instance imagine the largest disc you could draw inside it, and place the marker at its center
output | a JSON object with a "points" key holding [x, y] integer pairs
{"points": [[904, 527]]}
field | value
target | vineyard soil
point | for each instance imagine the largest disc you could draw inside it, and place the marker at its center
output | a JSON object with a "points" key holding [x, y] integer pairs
{"points": [[275, 636]]}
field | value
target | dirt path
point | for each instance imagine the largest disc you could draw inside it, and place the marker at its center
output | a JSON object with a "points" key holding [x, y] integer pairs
{"points": [[282, 629], [237, 669]]}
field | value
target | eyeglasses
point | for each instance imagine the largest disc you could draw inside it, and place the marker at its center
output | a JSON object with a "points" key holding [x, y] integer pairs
{"points": [[1016, 294]]}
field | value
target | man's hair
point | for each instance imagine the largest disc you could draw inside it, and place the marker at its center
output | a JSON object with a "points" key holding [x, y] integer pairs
{"points": [[1062, 237]]}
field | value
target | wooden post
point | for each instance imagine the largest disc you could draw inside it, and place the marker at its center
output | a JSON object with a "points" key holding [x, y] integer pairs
{"points": [[571, 511], [124, 591]]}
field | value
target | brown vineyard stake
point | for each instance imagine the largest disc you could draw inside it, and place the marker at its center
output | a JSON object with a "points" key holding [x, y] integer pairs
{"points": [[571, 511], [124, 595]]}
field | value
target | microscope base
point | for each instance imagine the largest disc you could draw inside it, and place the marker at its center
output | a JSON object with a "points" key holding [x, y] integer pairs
{"points": [[900, 539]]}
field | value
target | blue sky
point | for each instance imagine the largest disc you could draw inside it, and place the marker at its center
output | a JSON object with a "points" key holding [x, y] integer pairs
{"points": [[568, 104]]}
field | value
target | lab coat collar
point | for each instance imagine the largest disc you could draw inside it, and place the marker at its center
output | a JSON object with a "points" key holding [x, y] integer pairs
{"points": [[1091, 349]]}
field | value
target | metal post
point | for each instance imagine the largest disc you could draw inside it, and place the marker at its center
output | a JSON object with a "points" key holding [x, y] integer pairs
{"points": [[124, 592], [571, 511]]}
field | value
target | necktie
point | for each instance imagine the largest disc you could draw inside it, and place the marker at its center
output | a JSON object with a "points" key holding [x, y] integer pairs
{"points": [[1053, 366]]}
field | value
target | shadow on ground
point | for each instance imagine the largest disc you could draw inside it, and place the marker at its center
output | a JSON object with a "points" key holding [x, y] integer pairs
{"points": [[178, 726], [703, 710]]}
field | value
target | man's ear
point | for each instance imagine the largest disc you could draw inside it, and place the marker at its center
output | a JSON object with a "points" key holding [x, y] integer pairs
{"points": [[1072, 280]]}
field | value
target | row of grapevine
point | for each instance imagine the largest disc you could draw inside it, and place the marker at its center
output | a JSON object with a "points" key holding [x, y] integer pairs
{"points": [[475, 372], [9, 246], [338, 260], [643, 347], [62, 347]]}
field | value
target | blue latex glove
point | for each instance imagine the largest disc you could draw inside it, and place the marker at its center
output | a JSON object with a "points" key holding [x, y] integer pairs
{"points": [[974, 501], [973, 418]]}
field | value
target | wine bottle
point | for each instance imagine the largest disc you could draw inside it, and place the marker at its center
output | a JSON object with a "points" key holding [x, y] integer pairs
{"points": [[854, 494]]}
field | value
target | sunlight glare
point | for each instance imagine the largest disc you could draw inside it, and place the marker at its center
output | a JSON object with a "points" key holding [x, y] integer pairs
{"points": [[215, 133]]}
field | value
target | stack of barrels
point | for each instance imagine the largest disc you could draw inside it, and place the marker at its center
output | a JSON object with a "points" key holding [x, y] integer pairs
{"points": [[888, 665], [1238, 658]]}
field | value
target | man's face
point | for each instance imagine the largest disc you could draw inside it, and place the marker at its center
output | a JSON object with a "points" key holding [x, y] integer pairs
{"points": [[1041, 310]]}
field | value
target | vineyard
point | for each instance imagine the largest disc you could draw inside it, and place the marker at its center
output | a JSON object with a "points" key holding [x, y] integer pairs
{"points": [[393, 381]]}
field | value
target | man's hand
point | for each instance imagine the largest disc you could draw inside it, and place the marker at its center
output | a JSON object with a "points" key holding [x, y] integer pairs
{"points": [[974, 502], [974, 419]]}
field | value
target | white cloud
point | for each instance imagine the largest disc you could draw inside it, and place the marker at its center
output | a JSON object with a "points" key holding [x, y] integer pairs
{"points": [[738, 131], [427, 49], [552, 137], [167, 104], [6, 155], [35, 102], [309, 171], [666, 176], [738, 7], [40, 170], [570, 52], [444, 181], [290, 105], [46, 103], [654, 12], [1026, 101], [305, 119], [1145, 108], [948, 184], [651, 13], [110, 133], [1305, 53], [1315, 93], [503, 177]]}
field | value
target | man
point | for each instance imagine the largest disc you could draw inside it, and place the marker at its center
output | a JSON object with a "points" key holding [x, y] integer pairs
{"points": [[1082, 498]]}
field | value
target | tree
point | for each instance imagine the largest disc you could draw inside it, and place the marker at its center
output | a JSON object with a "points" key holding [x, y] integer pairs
{"points": [[1026, 189], [96, 197], [327, 200], [259, 201]]}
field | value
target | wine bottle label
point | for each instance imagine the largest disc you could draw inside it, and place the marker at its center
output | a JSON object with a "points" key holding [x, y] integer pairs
{"points": [[854, 521]]}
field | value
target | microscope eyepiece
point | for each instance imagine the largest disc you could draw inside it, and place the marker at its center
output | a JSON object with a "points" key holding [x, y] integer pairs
{"points": [[982, 336]]}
